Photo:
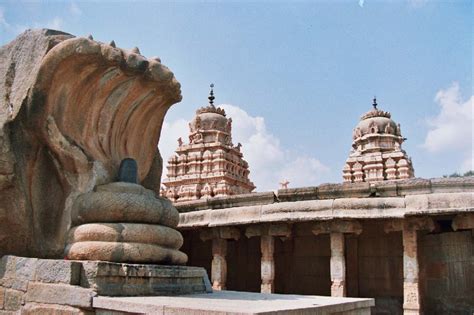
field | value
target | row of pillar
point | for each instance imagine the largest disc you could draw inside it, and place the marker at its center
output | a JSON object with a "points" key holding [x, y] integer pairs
{"points": [[337, 230]]}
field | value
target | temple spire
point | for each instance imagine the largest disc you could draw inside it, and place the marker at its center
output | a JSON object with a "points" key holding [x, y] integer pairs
{"points": [[374, 104], [211, 95]]}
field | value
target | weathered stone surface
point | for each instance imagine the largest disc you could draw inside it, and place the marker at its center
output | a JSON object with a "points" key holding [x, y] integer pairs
{"points": [[52, 309], [15, 272], [127, 232], [231, 302], [60, 294], [463, 222], [129, 188], [2, 297], [220, 233], [142, 231], [57, 142], [125, 252], [115, 279], [58, 271], [123, 207], [13, 299]]}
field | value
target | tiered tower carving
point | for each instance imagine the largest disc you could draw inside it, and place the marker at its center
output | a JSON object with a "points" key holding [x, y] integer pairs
{"points": [[377, 153], [209, 165]]}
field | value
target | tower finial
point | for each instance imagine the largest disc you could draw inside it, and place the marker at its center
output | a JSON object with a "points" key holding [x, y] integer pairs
{"points": [[374, 104], [211, 95]]}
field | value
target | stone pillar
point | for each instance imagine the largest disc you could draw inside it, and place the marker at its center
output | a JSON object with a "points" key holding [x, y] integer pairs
{"points": [[411, 290], [219, 264], [267, 246], [267, 233], [338, 265], [337, 228], [219, 237]]}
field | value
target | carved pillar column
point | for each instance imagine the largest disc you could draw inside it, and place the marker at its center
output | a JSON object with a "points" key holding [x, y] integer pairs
{"points": [[219, 264], [338, 265], [267, 268], [338, 260], [267, 235], [411, 290], [219, 237], [412, 304]]}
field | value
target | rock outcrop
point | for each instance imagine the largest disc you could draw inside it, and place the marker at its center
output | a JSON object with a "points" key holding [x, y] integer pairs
{"points": [[71, 109]]}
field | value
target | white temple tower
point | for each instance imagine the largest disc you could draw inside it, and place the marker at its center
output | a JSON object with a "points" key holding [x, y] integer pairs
{"points": [[209, 165], [377, 153]]}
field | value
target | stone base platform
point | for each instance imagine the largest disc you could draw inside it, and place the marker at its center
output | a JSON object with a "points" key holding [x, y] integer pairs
{"points": [[232, 302], [33, 285]]}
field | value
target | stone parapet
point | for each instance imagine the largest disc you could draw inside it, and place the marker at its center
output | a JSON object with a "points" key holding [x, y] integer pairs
{"points": [[344, 208], [227, 202], [392, 188]]}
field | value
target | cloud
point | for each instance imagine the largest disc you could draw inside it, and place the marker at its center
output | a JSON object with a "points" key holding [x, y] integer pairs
{"points": [[269, 162], [56, 23], [170, 133], [452, 129], [361, 3], [3, 22], [74, 9]]}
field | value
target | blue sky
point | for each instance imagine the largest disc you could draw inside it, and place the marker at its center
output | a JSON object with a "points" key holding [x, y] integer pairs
{"points": [[297, 75]]}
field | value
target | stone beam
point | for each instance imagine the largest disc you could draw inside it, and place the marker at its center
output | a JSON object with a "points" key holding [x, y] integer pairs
{"points": [[282, 230], [337, 226], [410, 224], [225, 232], [463, 222]]}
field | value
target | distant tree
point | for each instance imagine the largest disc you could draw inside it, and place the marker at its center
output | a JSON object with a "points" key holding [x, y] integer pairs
{"points": [[469, 173], [456, 174]]}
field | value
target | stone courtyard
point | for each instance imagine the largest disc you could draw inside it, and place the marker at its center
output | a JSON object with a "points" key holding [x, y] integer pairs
{"points": [[87, 228]]}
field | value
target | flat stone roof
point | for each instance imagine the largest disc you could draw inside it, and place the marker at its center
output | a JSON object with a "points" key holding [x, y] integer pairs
{"points": [[232, 302], [385, 200]]}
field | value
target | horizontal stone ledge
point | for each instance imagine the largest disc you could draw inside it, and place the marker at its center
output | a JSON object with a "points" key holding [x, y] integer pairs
{"points": [[60, 294], [227, 202], [373, 190], [108, 269]]}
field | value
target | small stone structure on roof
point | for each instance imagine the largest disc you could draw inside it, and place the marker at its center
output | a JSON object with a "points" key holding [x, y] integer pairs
{"points": [[209, 165], [377, 152]]}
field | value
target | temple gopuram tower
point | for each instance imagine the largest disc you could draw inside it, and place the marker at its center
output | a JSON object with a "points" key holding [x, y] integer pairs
{"points": [[377, 153], [209, 165]]}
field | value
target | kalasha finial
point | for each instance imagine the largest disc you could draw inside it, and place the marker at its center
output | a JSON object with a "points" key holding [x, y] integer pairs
{"points": [[374, 104], [211, 95]]}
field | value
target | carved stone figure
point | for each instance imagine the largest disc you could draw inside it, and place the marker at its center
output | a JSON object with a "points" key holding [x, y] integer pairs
{"points": [[71, 109]]}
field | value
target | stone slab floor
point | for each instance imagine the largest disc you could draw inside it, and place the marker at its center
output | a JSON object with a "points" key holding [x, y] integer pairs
{"points": [[232, 302]]}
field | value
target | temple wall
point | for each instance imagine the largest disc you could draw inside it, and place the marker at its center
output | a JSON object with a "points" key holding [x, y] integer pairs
{"points": [[302, 263], [447, 272], [375, 267]]}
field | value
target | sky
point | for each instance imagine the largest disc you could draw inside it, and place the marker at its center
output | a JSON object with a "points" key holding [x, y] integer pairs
{"points": [[295, 76]]}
